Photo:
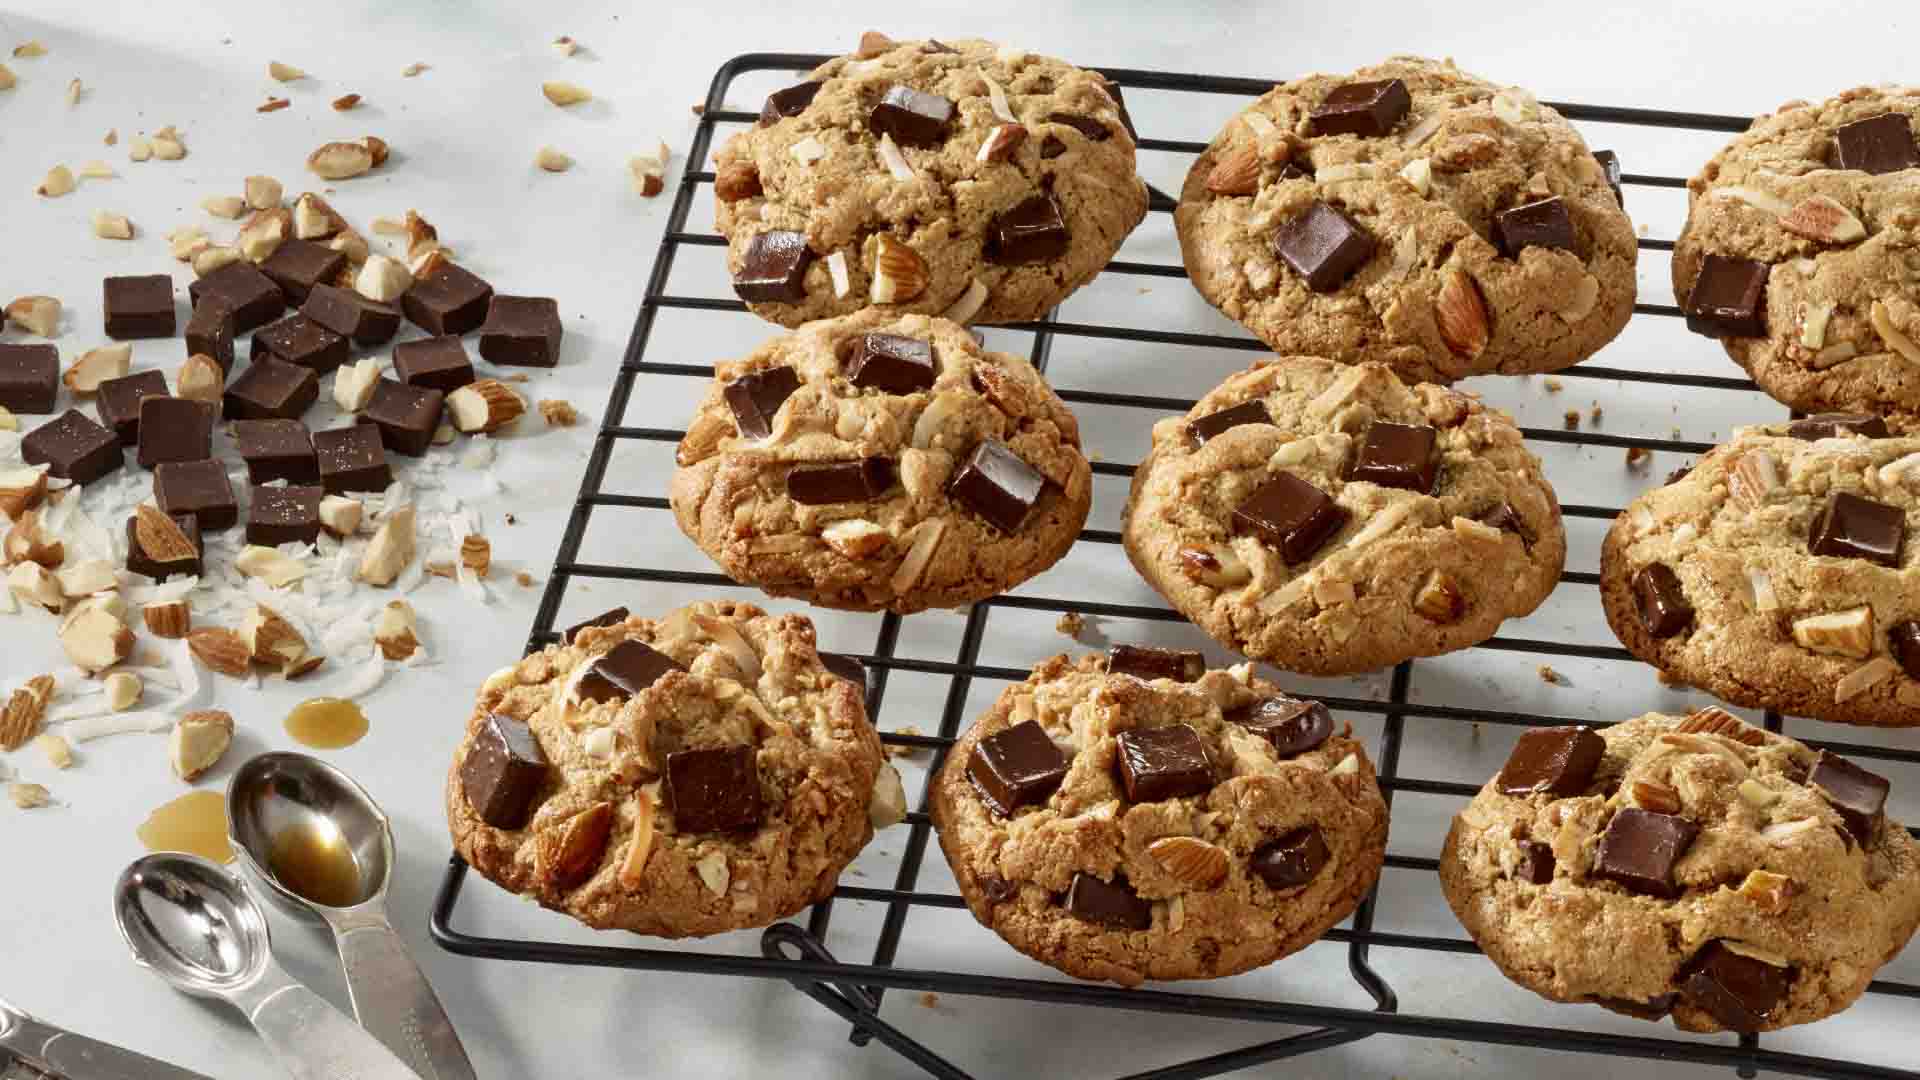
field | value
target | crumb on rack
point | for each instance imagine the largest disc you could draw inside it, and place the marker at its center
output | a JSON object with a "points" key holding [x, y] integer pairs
{"points": [[1639, 457], [1552, 384], [1070, 623], [1573, 419], [1595, 414], [523, 579], [559, 413], [1550, 676], [904, 751], [929, 1000], [1668, 678]]}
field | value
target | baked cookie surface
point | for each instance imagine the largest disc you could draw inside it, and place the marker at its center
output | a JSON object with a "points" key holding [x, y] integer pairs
{"points": [[1695, 866], [679, 776], [1413, 214], [1801, 252], [881, 461], [964, 178], [1335, 520], [1130, 827], [1778, 573]]}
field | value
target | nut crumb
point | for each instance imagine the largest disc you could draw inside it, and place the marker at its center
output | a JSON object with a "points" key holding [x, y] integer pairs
{"points": [[274, 104], [1070, 623], [28, 49], [29, 796], [345, 102], [521, 577], [511, 520], [1594, 414], [1638, 457], [699, 109], [1573, 419], [1553, 385], [1551, 677], [559, 413], [412, 69], [904, 751], [552, 160], [566, 45], [929, 1000], [113, 136]]}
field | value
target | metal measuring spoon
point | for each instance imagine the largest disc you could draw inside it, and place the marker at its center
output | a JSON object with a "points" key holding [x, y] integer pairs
{"points": [[280, 795], [195, 925]]}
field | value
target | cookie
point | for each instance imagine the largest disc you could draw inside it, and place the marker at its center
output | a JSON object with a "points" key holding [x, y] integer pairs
{"points": [[1141, 818], [1778, 573], [981, 182], [679, 776], [1694, 866], [1328, 518], [1413, 214], [1801, 252], [881, 461]]}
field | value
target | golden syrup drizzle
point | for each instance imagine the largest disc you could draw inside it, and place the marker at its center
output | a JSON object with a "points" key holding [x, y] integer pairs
{"points": [[195, 823], [326, 723]]}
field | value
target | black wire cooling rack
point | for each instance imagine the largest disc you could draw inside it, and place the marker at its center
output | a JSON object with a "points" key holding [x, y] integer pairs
{"points": [[853, 990]]}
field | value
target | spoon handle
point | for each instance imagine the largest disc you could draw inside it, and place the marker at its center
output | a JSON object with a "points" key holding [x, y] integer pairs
{"points": [[394, 1001], [312, 1040]]}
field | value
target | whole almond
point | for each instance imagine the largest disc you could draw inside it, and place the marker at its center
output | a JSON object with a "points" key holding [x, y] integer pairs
{"points": [[340, 160], [172, 619], [200, 379], [484, 406], [1656, 796], [569, 855], [899, 273], [1714, 720], [160, 536], [220, 649], [1461, 315], [1236, 173], [1190, 859]]}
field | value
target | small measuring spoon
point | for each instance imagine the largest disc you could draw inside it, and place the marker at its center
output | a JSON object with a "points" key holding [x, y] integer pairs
{"points": [[324, 850], [195, 926]]}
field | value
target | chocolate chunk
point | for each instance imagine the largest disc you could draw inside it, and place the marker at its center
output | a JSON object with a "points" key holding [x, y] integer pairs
{"points": [[1113, 904], [625, 670], [276, 450], [1294, 859], [1904, 641], [1639, 848], [1558, 761], [1293, 725], [271, 389], [1322, 245], [1739, 991], [1292, 515], [438, 363], [1857, 795], [1729, 298], [1660, 600], [1838, 425], [503, 770], [1505, 518], [774, 268], [352, 316], [352, 459], [1162, 763], [611, 617], [998, 889], [139, 561], [139, 307], [1031, 232], [29, 378], [1397, 456], [522, 331], [1857, 528], [117, 402], [1212, 424], [1610, 168], [842, 481], [283, 515], [1141, 662], [1679, 474], [1543, 223], [996, 484], [1297, 170], [406, 416], [1536, 863], [1878, 144], [912, 117], [1368, 109], [210, 333], [842, 666], [174, 429], [714, 790], [1017, 767], [1085, 125], [298, 265], [893, 363], [250, 295], [757, 396], [449, 300], [789, 102], [199, 488], [936, 46], [73, 448], [1051, 146], [299, 340]]}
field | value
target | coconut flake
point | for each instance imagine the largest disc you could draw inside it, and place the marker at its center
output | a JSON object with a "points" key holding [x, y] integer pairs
{"points": [[1259, 122], [808, 150], [1764, 598], [479, 453], [842, 281], [365, 680], [969, 305], [896, 161], [99, 727], [999, 98]]}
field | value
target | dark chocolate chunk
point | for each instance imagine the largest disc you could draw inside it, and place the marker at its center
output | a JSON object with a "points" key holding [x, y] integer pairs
{"points": [[1505, 518], [610, 617], [892, 362], [1031, 232], [1293, 725], [1855, 528], [1536, 863], [1878, 144], [1051, 146], [118, 403], [1904, 641], [625, 670], [936, 46], [283, 515], [299, 340], [1543, 223], [139, 307], [352, 316], [714, 790], [842, 481], [1162, 763], [438, 363], [271, 389], [1610, 169], [912, 117], [1212, 424], [175, 429], [1397, 456], [1137, 660], [1085, 125], [298, 265], [789, 102], [1639, 848], [73, 447], [139, 561], [449, 300], [774, 268], [1322, 245], [1294, 859], [1737, 990], [1017, 767], [757, 396], [522, 331], [1660, 600], [1109, 904], [503, 771], [251, 296], [199, 488], [842, 666], [29, 378], [1297, 170], [352, 459], [1729, 298], [406, 416], [1838, 425], [1860, 797], [1368, 109], [998, 889], [1558, 761], [1292, 515], [210, 333], [996, 484], [276, 450], [1679, 474]]}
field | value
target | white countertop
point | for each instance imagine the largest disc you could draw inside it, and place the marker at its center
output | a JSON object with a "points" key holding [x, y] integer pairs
{"points": [[464, 135]]}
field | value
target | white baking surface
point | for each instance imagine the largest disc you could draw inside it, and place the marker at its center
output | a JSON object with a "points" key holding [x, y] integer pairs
{"points": [[464, 135]]}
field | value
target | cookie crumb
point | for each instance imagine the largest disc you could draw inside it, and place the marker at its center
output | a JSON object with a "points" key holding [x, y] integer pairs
{"points": [[559, 413], [511, 520], [1595, 414], [1675, 433], [1638, 457], [523, 579], [1668, 678], [894, 750], [929, 1000], [1070, 624], [1553, 385], [699, 110], [1550, 676], [1573, 419]]}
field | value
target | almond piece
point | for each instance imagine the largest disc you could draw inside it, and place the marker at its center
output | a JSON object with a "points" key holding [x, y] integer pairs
{"points": [[412, 69], [1418, 174], [30, 583], [571, 853], [1755, 477], [421, 235], [346, 102], [269, 565], [313, 219], [200, 379], [27, 542], [167, 145], [1714, 720], [1439, 599], [552, 160], [58, 750], [1217, 566], [172, 619], [1824, 221], [1192, 860], [354, 247], [59, 181], [390, 550], [856, 538], [634, 866], [1755, 794], [86, 578], [1768, 891], [737, 180], [340, 515], [93, 635], [96, 366], [25, 708], [29, 796], [1864, 678], [160, 536], [263, 234], [7, 79], [221, 650], [273, 104], [198, 742], [354, 384], [284, 72], [888, 806], [383, 279], [476, 554], [22, 490], [395, 631], [872, 44], [1236, 173], [565, 94], [37, 315], [559, 413], [1838, 633], [123, 690], [485, 406], [714, 872], [8, 421], [1656, 796], [340, 160], [1001, 142], [263, 192], [271, 639], [1461, 315], [139, 148], [209, 259], [96, 170], [899, 273], [183, 244]]}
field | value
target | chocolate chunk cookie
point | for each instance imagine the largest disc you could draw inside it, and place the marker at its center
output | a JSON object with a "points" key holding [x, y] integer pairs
{"points": [[1129, 821], [1779, 573], [965, 179], [881, 461], [1801, 253], [1328, 518], [1693, 866], [1413, 214], [679, 776]]}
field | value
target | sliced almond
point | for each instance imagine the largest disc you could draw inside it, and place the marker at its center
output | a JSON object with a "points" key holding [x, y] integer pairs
{"points": [[1770, 892], [340, 160], [899, 273], [340, 515], [1838, 633], [1655, 796], [29, 796], [94, 636], [160, 536], [1236, 173], [200, 379], [172, 619], [926, 540], [37, 315], [58, 750], [888, 806], [1439, 599], [59, 181], [273, 104], [1462, 315], [565, 94], [856, 538], [284, 72], [263, 193], [570, 854], [1714, 720], [395, 631], [964, 309], [1192, 860], [1753, 197], [390, 550], [895, 161], [1753, 479], [22, 490], [1215, 565], [552, 160], [25, 708], [633, 867], [96, 170], [198, 742], [713, 872], [485, 406], [346, 102], [1822, 220]]}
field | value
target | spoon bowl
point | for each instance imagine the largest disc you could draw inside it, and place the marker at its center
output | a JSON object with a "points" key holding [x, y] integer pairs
{"points": [[279, 795], [192, 923]]}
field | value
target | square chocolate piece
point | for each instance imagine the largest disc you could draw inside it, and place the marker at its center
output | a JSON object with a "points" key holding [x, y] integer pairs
{"points": [[199, 488], [1214, 424], [714, 790], [139, 307], [1293, 860], [522, 331], [1017, 767], [503, 771], [73, 448], [352, 459], [892, 363], [1367, 109], [1163, 763], [774, 268], [1292, 515], [1855, 528], [352, 316], [271, 389], [1557, 761], [610, 617], [1639, 849], [912, 117], [140, 562], [298, 265], [1729, 298], [789, 102], [1293, 725], [406, 416], [210, 333], [276, 450], [840, 481], [1878, 144], [1032, 232], [1903, 640], [1322, 245], [118, 402], [438, 363], [29, 377], [1111, 904], [250, 295], [625, 670], [755, 398], [1543, 224], [1858, 796], [299, 340], [1397, 456], [174, 429], [1736, 989], [1835, 425], [283, 515], [996, 484], [449, 300], [1536, 862], [1146, 663], [1660, 600]]}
